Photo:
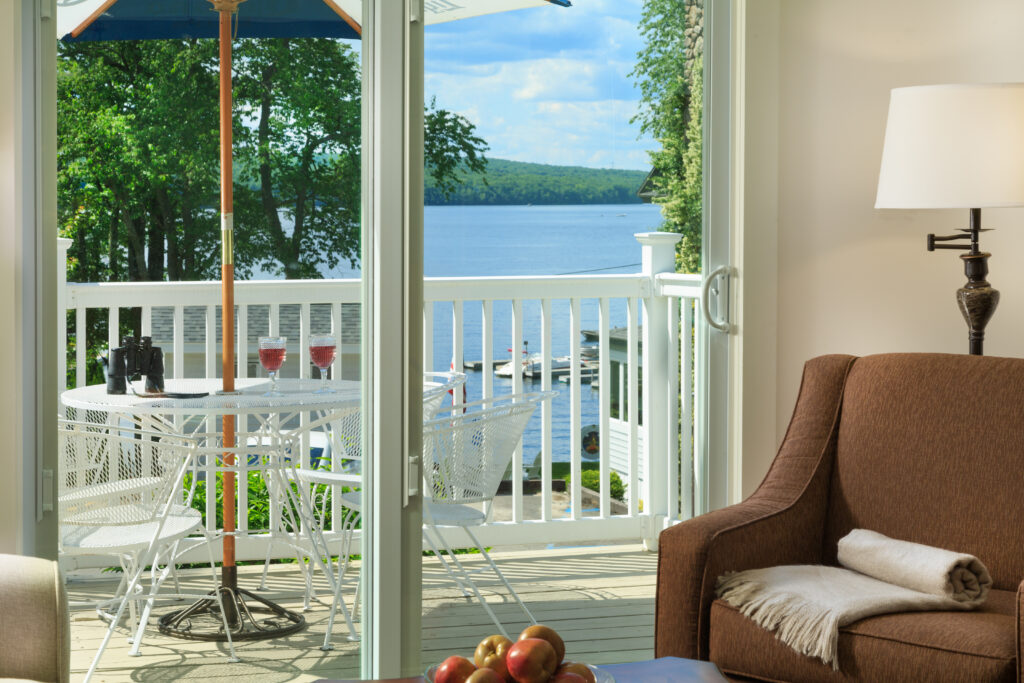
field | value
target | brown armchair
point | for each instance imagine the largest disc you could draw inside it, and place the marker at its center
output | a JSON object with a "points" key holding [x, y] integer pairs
{"points": [[921, 447]]}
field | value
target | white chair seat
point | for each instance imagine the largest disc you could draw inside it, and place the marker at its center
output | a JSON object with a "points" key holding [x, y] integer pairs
{"points": [[448, 514], [89, 540]]}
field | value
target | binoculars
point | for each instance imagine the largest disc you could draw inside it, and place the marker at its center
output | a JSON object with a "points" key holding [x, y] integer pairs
{"points": [[136, 356]]}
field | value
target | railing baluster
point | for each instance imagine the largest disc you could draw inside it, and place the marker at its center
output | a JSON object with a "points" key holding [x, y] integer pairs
{"points": [[274, 320], [487, 348], [575, 409], [242, 338], [81, 344], [336, 329], [304, 333], [517, 388], [605, 409], [546, 446], [113, 327], [633, 405], [210, 355], [428, 340], [457, 345], [147, 321], [179, 341], [686, 396], [672, 377], [487, 361]]}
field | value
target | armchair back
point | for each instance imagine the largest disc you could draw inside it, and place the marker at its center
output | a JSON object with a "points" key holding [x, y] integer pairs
{"points": [[930, 449]]}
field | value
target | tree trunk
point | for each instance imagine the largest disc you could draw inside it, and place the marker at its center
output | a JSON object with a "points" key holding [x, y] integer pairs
{"points": [[157, 230], [267, 199]]}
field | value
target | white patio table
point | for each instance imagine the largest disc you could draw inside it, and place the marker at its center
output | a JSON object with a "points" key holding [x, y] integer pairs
{"points": [[265, 425]]}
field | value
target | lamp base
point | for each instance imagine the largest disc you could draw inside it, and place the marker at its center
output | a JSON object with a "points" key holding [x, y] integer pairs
{"points": [[977, 299]]}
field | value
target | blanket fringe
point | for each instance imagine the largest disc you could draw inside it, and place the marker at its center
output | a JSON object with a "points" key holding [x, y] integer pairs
{"points": [[795, 621]]}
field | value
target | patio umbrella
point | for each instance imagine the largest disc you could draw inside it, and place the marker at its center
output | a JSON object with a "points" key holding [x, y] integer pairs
{"points": [[81, 20]]}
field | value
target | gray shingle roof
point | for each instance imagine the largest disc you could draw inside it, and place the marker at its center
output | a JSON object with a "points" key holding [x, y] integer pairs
{"points": [[259, 322]]}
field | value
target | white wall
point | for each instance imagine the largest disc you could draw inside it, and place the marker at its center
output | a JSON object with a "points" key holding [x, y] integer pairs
{"points": [[850, 278]]}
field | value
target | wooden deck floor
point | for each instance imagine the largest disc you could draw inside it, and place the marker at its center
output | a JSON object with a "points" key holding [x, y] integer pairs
{"points": [[601, 599]]}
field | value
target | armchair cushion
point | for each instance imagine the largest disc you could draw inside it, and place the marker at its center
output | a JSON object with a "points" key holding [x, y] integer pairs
{"points": [[910, 646]]}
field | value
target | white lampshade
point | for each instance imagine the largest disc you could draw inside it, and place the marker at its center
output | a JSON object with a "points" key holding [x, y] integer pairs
{"points": [[953, 146]]}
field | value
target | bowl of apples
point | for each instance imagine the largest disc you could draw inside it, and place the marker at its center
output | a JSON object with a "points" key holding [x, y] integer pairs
{"points": [[538, 656]]}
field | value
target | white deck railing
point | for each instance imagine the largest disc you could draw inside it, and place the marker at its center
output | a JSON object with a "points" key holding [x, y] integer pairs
{"points": [[663, 475]]}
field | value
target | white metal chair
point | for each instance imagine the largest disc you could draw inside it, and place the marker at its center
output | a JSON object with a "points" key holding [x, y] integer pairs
{"points": [[332, 512], [466, 452], [122, 493]]}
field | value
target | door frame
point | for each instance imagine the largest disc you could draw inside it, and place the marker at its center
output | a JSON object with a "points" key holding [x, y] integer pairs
{"points": [[392, 345]]}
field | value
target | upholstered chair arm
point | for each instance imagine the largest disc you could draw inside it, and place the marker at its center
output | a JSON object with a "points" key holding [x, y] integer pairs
{"points": [[34, 628], [781, 523]]}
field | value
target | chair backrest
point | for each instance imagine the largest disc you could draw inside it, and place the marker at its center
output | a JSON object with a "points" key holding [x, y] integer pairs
{"points": [[436, 386], [465, 454], [109, 475], [931, 449]]}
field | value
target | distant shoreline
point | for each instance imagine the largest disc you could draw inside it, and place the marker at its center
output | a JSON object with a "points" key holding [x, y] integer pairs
{"points": [[518, 183]]}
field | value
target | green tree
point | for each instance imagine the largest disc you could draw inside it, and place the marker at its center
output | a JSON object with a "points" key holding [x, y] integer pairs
{"points": [[668, 74], [138, 157]]}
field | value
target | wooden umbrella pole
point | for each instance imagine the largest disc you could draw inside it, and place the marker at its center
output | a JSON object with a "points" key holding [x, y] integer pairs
{"points": [[227, 278]]}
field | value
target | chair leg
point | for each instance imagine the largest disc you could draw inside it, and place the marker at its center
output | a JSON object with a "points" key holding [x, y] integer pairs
{"points": [[129, 589], [497, 571], [444, 563], [466, 578]]}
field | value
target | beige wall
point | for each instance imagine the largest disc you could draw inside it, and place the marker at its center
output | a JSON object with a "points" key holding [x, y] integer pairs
{"points": [[850, 278]]}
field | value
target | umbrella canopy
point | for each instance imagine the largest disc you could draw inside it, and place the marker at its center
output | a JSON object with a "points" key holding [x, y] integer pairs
{"points": [[168, 19]]}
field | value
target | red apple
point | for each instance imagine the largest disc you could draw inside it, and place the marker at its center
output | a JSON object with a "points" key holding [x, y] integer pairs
{"points": [[578, 668], [531, 660], [455, 669], [485, 676], [546, 633], [491, 653], [567, 677]]}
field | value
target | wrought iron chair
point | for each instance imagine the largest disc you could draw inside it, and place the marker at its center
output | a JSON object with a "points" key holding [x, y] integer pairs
{"points": [[466, 452], [122, 493], [332, 504]]}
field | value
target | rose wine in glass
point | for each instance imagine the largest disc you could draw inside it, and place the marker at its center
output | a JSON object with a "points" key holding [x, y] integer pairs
{"points": [[272, 355], [322, 350]]}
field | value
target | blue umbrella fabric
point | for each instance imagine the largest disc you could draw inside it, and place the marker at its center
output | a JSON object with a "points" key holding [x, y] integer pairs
{"points": [[174, 19]]}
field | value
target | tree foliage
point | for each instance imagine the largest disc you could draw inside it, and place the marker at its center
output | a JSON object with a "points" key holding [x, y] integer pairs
{"points": [[138, 157], [668, 74]]}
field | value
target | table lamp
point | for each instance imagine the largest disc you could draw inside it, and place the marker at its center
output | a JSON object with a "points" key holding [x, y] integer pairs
{"points": [[957, 147]]}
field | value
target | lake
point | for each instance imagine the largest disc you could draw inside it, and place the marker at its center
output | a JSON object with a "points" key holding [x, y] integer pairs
{"points": [[529, 240]]}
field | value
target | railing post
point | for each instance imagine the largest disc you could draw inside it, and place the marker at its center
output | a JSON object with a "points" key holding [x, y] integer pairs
{"points": [[63, 244], [658, 256]]}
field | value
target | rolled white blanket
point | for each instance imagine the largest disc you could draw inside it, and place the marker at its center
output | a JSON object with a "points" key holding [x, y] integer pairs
{"points": [[923, 568], [806, 605]]}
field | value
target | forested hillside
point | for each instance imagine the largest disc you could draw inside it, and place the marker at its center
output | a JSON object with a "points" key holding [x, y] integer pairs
{"points": [[515, 182]]}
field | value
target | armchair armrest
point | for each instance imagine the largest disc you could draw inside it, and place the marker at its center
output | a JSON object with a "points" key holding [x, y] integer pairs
{"points": [[34, 628], [781, 523]]}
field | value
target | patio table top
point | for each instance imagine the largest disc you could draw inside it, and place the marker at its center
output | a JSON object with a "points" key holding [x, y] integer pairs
{"points": [[296, 395]]}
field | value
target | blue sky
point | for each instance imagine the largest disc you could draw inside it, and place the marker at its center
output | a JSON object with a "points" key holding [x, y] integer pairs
{"points": [[549, 85]]}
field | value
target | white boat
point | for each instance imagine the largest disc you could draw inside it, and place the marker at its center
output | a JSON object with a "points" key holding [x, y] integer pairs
{"points": [[531, 366]]}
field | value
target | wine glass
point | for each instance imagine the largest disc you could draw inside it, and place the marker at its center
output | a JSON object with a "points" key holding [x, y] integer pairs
{"points": [[322, 349], [272, 354]]}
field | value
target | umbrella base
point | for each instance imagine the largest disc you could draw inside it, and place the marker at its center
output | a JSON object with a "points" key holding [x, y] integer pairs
{"points": [[249, 616]]}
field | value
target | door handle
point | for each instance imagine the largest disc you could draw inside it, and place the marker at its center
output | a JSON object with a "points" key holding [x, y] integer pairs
{"points": [[721, 294]]}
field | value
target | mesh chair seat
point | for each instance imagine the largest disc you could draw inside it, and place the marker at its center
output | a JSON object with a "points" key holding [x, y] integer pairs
{"points": [[447, 514], [84, 539]]}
